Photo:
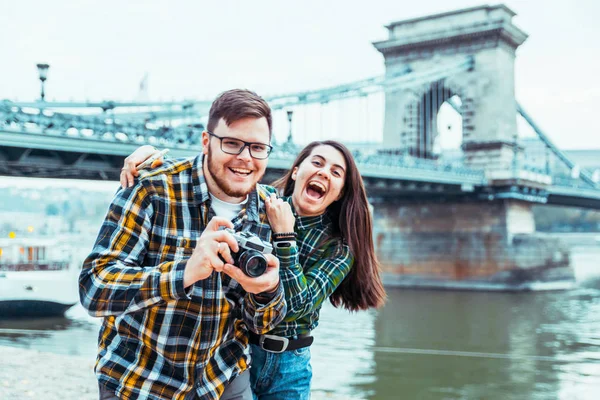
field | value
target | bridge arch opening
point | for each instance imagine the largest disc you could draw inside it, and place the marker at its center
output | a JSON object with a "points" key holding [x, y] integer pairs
{"points": [[439, 126], [449, 123]]}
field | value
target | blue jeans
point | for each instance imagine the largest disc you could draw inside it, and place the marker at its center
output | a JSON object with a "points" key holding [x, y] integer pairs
{"points": [[280, 376]]}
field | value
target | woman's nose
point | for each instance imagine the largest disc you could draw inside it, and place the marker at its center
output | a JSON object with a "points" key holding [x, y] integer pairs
{"points": [[323, 173]]}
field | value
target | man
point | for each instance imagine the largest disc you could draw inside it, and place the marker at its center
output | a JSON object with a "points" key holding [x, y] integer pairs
{"points": [[175, 323]]}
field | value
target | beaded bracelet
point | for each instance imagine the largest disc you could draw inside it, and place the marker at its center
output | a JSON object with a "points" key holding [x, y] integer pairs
{"points": [[285, 235]]}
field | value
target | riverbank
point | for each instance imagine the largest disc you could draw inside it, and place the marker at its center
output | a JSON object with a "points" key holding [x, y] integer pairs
{"points": [[26, 373], [33, 374]]}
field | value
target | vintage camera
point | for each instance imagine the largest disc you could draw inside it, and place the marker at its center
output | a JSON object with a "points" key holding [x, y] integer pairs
{"points": [[250, 257]]}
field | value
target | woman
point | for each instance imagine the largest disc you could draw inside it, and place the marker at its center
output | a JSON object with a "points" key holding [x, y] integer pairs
{"points": [[322, 235]]}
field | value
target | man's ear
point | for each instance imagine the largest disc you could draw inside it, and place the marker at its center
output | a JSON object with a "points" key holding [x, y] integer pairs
{"points": [[294, 173], [205, 142]]}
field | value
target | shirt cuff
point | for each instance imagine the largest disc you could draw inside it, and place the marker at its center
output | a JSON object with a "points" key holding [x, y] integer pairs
{"points": [[287, 255], [264, 298], [171, 282]]}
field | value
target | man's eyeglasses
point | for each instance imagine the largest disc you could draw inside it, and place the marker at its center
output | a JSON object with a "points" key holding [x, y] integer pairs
{"points": [[234, 146]]}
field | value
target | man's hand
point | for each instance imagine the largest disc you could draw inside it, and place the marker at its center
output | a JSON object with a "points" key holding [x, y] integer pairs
{"points": [[205, 258], [267, 282], [129, 170], [279, 212]]}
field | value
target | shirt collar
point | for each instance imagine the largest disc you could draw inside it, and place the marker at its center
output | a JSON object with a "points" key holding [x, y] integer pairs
{"points": [[198, 182], [303, 223]]}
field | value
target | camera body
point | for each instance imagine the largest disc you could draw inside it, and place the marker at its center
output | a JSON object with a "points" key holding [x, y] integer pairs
{"points": [[250, 256]]}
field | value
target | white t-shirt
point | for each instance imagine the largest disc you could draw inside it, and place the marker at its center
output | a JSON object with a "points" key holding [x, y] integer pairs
{"points": [[224, 209]]}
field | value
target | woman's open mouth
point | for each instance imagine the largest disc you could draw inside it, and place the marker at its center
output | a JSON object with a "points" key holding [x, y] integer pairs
{"points": [[315, 190]]}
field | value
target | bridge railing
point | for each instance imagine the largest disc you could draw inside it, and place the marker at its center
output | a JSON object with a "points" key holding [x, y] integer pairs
{"points": [[575, 183], [93, 127], [422, 169], [398, 165]]}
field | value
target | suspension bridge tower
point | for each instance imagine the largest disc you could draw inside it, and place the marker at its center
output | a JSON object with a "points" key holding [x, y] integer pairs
{"points": [[488, 239], [486, 91]]}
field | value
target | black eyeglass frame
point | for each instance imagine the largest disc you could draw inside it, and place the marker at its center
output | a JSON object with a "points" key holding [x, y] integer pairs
{"points": [[246, 144]]}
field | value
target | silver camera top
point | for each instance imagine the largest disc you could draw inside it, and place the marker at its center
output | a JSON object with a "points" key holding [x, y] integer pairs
{"points": [[248, 240]]}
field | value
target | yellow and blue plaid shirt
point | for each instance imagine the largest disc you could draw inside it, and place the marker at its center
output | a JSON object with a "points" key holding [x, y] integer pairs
{"points": [[310, 272], [159, 340]]}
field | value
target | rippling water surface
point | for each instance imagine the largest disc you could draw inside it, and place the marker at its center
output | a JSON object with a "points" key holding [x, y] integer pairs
{"points": [[426, 344]]}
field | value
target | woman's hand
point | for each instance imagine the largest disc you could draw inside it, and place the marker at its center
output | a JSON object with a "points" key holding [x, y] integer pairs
{"points": [[279, 212], [129, 170]]}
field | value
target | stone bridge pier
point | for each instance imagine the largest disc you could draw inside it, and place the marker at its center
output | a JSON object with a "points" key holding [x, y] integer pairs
{"points": [[484, 246]]}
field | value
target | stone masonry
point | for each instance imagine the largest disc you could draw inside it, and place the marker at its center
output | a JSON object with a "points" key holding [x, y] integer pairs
{"points": [[487, 92], [490, 245]]}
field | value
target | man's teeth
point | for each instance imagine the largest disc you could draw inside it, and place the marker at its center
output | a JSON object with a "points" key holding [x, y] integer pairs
{"points": [[241, 170]]}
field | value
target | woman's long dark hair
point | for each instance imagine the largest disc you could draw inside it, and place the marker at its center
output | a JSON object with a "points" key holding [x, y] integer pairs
{"points": [[362, 288]]}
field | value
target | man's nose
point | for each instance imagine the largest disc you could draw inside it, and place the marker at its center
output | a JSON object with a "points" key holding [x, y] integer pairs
{"points": [[245, 154]]}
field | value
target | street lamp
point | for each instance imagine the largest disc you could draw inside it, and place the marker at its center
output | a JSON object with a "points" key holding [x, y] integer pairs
{"points": [[290, 113], [43, 71]]}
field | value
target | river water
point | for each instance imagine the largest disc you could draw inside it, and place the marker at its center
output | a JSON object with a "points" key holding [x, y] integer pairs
{"points": [[426, 344]]}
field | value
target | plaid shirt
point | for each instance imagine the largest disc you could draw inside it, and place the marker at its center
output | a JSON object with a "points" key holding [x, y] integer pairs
{"points": [[310, 273], [159, 340]]}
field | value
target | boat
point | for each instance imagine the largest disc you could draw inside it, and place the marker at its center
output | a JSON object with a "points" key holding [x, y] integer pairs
{"points": [[38, 277]]}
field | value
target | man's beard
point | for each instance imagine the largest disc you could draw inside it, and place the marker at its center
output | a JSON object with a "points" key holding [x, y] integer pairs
{"points": [[225, 185]]}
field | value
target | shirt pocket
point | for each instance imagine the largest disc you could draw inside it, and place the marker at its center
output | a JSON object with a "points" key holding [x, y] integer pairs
{"points": [[175, 248]]}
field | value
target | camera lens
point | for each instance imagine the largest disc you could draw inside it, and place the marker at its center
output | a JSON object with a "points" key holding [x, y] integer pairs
{"points": [[253, 263]]}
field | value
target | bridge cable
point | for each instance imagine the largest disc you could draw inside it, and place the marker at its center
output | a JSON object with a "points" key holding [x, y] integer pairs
{"points": [[585, 176]]}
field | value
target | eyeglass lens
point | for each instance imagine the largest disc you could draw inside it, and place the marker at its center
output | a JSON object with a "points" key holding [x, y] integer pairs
{"points": [[235, 146]]}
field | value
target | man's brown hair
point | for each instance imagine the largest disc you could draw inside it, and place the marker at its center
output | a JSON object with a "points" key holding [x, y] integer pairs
{"points": [[236, 104]]}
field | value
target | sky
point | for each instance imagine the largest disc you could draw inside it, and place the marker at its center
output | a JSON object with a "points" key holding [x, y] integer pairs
{"points": [[101, 50]]}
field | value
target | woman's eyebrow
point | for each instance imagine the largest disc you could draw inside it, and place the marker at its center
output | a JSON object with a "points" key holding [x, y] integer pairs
{"points": [[340, 167], [323, 158]]}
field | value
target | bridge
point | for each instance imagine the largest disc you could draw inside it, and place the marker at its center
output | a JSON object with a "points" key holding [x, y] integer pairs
{"points": [[457, 65]]}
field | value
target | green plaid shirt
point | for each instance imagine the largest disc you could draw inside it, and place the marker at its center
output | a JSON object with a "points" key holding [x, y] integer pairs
{"points": [[310, 273], [159, 340]]}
